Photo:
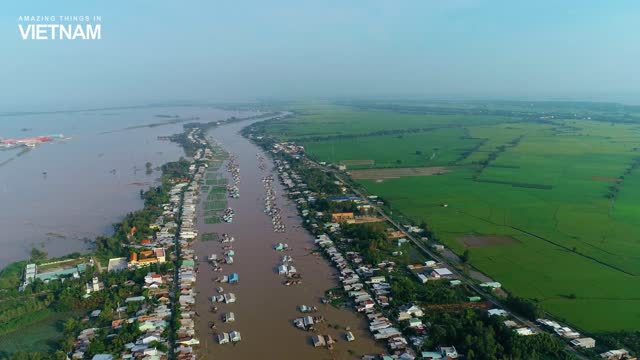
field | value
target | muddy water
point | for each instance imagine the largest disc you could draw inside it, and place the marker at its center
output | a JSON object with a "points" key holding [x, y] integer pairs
{"points": [[92, 180], [265, 308]]}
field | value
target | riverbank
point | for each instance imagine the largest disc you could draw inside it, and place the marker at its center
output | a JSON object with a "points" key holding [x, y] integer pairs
{"points": [[77, 189], [265, 308], [97, 289], [415, 278]]}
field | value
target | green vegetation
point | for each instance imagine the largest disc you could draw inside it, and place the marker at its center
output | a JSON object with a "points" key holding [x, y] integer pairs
{"points": [[41, 335], [38, 310], [216, 200], [11, 276], [482, 337], [437, 147], [212, 220], [209, 237], [37, 254], [451, 318], [558, 180]]}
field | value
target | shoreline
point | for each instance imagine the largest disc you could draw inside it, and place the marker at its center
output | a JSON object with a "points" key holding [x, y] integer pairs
{"points": [[289, 152], [11, 273], [378, 293], [256, 263]]}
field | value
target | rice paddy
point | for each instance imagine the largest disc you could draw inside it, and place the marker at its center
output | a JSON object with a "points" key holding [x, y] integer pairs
{"points": [[216, 199], [544, 196]]}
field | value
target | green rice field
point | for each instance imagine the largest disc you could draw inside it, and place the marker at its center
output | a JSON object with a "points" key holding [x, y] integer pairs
{"points": [[216, 200], [559, 181]]}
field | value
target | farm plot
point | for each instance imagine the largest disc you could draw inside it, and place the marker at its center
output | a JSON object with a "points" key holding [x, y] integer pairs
{"points": [[216, 200], [431, 148], [564, 192], [209, 237], [393, 173], [350, 163], [321, 122], [485, 240], [572, 226]]}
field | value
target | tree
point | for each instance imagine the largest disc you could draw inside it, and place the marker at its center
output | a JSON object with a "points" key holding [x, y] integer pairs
{"points": [[37, 254], [525, 307], [466, 257]]}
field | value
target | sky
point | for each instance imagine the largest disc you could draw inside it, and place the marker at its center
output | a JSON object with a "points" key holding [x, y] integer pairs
{"points": [[155, 51]]}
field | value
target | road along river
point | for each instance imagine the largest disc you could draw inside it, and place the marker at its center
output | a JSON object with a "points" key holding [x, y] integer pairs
{"points": [[265, 308]]}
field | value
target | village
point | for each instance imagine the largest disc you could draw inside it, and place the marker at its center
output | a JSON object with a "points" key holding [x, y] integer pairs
{"points": [[147, 307], [156, 318], [366, 285]]}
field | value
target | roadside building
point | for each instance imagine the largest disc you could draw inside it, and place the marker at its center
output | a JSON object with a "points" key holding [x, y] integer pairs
{"points": [[342, 217], [586, 342]]}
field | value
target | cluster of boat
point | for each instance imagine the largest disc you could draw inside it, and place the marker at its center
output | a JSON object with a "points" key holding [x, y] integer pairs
{"points": [[289, 271], [233, 191], [286, 268], [270, 207], [307, 309], [234, 169], [281, 247], [226, 258], [222, 297], [227, 239], [227, 215], [307, 322], [262, 164], [227, 298], [225, 338]]}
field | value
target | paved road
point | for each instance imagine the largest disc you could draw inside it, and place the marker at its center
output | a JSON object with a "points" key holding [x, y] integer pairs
{"points": [[420, 245]]}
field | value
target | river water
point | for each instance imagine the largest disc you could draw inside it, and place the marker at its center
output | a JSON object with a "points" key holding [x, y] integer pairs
{"points": [[265, 308], [92, 180]]}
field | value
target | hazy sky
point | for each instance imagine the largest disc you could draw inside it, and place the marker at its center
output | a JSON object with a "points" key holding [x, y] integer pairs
{"points": [[214, 50]]}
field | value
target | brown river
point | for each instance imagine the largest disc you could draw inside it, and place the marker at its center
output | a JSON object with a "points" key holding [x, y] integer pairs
{"points": [[265, 308], [61, 193]]}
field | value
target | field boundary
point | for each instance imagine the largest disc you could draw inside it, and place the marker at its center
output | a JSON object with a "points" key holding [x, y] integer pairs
{"points": [[516, 184], [589, 257], [395, 173]]}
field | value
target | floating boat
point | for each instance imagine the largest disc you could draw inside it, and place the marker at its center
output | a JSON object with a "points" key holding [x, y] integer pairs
{"points": [[229, 317], [235, 336], [223, 338], [349, 336], [307, 309]]}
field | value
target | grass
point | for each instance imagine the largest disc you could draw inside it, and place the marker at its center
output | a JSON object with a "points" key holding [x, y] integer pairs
{"points": [[39, 335], [578, 248], [432, 148], [63, 264], [216, 182], [11, 275], [530, 176], [209, 237], [215, 205]]}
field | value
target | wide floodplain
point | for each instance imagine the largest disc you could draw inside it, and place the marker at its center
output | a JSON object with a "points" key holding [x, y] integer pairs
{"points": [[544, 196], [61, 195]]}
